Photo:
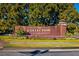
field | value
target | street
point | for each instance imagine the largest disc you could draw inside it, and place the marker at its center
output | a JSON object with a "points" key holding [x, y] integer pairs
{"points": [[59, 52]]}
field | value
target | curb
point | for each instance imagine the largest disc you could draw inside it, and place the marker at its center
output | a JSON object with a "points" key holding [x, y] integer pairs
{"points": [[41, 50], [61, 50]]}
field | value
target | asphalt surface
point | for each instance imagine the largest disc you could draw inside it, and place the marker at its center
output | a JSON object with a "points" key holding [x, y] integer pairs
{"points": [[59, 52]]}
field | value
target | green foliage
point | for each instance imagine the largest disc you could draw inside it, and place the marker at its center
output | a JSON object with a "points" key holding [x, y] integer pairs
{"points": [[36, 14], [69, 34], [43, 14], [71, 28], [68, 13], [21, 32], [11, 15]]}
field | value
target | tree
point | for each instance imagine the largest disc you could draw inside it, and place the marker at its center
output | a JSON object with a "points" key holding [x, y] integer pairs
{"points": [[43, 14], [37, 14], [71, 28], [13, 14], [68, 13]]}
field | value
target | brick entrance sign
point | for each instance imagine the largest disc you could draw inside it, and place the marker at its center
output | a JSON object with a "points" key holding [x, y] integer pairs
{"points": [[44, 31]]}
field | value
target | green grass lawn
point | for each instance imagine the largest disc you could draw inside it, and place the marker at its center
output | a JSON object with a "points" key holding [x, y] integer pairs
{"points": [[24, 41]]}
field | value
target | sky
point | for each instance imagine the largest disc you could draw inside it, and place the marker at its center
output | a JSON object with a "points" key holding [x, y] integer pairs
{"points": [[76, 5]]}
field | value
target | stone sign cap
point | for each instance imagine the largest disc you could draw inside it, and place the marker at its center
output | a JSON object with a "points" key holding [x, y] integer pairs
{"points": [[62, 23]]}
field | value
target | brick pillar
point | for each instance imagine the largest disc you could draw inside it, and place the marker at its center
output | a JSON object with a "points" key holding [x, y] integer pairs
{"points": [[17, 28], [62, 28]]}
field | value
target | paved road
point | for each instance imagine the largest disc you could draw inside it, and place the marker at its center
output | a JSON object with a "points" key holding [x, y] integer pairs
{"points": [[41, 53], [64, 53]]}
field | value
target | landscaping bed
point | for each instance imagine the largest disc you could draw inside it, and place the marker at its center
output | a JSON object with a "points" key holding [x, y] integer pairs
{"points": [[23, 42]]}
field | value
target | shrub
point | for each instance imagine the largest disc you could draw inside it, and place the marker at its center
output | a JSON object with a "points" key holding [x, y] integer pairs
{"points": [[69, 34], [71, 28], [21, 32]]}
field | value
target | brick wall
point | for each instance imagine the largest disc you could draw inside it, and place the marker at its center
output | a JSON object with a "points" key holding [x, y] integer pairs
{"points": [[44, 31]]}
